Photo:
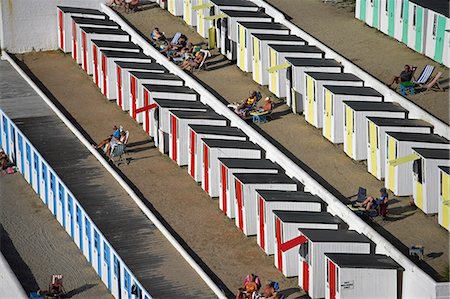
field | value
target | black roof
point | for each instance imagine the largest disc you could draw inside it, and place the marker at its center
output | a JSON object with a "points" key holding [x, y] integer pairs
{"points": [[94, 21], [334, 76], [353, 90], [439, 6], [264, 178], [124, 54], [375, 106], [245, 13], [297, 49], [112, 31], [237, 144], [173, 89], [165, 103], [140, 65], [319, 62], [433, 153], [359, 260], [418, 137], [445, 169], [307, 217], [275, 195], [209, 114], [70, 9], [330, 235], [399, 122], [263, 25], [156, 76], [217, 130], [114, 44], [243, 3], [278, 37], [245, 163]]}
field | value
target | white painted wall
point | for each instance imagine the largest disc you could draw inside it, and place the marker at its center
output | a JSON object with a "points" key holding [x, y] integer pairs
{"points": [[28, 25], [9, 285]]}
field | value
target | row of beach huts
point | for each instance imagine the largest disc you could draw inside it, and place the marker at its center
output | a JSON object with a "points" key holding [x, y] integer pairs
{"points": [[293, 225], [403, 152]]}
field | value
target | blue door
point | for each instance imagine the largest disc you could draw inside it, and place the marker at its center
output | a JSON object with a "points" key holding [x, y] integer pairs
{"points": [[62, 202], [70, 210], [13, 143], [53, 189], [5, 132], [22, 162], [88, 237], [30, 172], [80, 227], [44, 182], [107, 261], [117, 274], [97, 248], [36, 169], [127, 283]]}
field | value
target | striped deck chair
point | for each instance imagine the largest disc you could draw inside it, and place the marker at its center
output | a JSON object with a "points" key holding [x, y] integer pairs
{"points": [[425, 75]]}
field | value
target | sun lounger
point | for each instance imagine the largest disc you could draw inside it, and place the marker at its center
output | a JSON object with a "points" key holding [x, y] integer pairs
{"points": [[206, 55], [434, 84], [425, 75]]}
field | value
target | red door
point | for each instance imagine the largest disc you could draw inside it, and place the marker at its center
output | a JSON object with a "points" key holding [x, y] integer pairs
{"points": [[74, 40], [239, 204], [278, 238], [61, 30], [192, 153], [332, 279], [84, 43], [206, 166], [174, 137], [305, 276], [119, 86], [104, 74], [95, 59], [147, 113], [223, 176], [261, 223], [133, 95]]}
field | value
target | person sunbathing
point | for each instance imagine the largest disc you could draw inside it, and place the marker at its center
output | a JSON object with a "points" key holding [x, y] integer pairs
{"points": [[157, 35], [248, 105], [189, 64], [373, 203], [250, 286], [405, 76], [115, 134]]}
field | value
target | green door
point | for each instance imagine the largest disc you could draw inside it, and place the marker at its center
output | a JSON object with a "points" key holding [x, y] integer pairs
{"points": [[376, 13], [391, 14], [419, 28], [405, 15], [439, 39], [362, 10]]}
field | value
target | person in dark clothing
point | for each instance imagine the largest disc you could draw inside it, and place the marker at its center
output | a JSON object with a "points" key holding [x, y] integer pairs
{"points": [[405, 76]]}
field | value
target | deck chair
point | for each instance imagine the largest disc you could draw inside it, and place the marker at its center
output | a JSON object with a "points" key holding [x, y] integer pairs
{"points": [[118, 150], [175, 38], [207, 54], [361, 195], [425, 75], [56, 286], [434, 84]]}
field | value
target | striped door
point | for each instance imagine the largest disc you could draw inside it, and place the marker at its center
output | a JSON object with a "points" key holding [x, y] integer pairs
{"points": [[119, 86], [173, 124]]}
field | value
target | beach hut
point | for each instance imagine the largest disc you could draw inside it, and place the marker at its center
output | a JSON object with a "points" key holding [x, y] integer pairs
{"points": [[355, 123], [228, 30], [107, 69], [295, 77], [189, 16], [333, 113], [398, 174], [389, 16], [244, 41], [287, 240], [175, 7], [202, 10], [437, 21], [159, 119], [355, 275], [426, 177], [376, 139], [97, 46], [245, 200], [123, 78], [65, 25], [199, 132], [444, 197], [416, 25], [212, 149], [368, 11], [78, 22], [313, 106], [317, 242], [178, 131], [261, 54], [230, 166], [269, 201]]}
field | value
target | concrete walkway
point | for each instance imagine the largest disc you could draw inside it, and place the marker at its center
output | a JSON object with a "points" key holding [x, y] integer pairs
{"points": [[36, 246]]}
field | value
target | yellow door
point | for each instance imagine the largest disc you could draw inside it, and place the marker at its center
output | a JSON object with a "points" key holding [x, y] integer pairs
{"points": [[392, 154], [171, 6], [373, 142], [419, 195], [310, 98], [242, 42], [212, 38], [349, 130], [445, 179], [200, 19], [256, 61], [327, 113], [273, 76], [188, 12]]}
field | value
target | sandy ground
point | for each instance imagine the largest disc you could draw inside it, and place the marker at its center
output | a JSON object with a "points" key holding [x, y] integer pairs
{"points": [[307, 144], [36, 246], [370, 49], [169, 188]]}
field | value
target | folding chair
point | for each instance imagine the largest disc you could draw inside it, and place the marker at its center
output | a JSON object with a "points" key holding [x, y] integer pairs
{"points": [[425, 75], [56, 287], [434, 83], [206, 55], [117, 151], [175, 38], [361, 195]]}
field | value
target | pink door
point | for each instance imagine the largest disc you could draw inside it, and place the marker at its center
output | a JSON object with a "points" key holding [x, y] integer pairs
{"points": [[61, 29], [119, 86], [206, 166], [223, 177]]}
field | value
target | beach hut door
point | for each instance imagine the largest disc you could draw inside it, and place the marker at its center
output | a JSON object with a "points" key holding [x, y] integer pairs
{"points": [[439, 39], [332, 279], [362, 11], [391, 18], [418, 173], [206, 166]]}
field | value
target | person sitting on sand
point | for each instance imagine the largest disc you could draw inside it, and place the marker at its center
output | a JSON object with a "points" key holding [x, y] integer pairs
{"points": [[251, 285], [405, 76], [373, 203], [157, 35], [189, 64], [115, 134]]}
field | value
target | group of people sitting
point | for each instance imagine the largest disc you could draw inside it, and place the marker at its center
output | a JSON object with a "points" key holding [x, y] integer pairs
{"points": [[125, 5], [252, 285], [119, 136], [372, 203], [178, 49], [249, 105]]}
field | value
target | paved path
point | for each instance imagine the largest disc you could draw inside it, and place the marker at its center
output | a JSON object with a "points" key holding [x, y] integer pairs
{"points": [[36, 246]]}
